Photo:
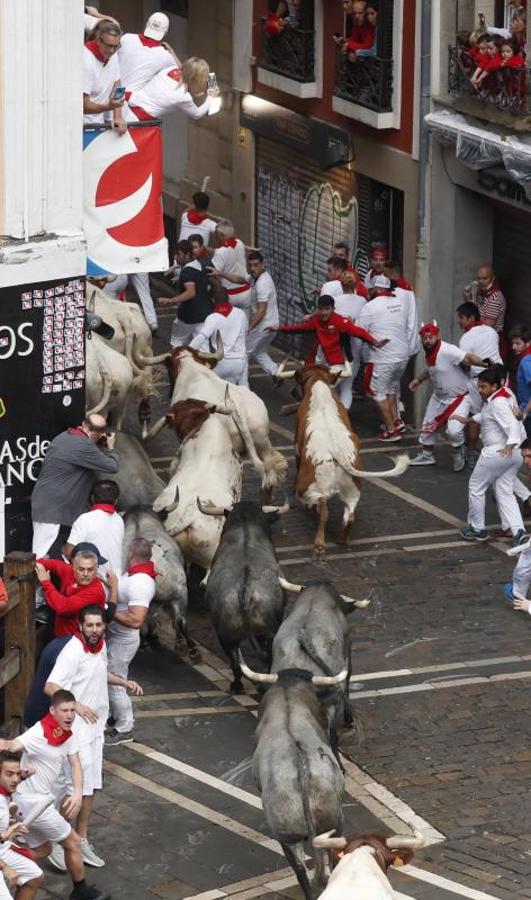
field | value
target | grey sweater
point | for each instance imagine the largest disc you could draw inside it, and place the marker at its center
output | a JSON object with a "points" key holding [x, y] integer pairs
{"points": [[62, 489]]}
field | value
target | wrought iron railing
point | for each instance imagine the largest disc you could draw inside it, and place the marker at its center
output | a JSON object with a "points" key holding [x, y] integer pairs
{"points": [[506, 88], [366, 82], [290, 53]]}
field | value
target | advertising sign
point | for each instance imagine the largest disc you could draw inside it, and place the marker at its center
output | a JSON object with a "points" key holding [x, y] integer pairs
{"points": [[42, 389]]}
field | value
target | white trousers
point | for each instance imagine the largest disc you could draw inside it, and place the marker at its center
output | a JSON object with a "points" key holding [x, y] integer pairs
{"points": [[242, 300], [140, 282], [182, 333], [454, 430], [257, 343], [522, 493], [522, 574], [499, 472], [121, 649], [233, 370], [44, 534]]}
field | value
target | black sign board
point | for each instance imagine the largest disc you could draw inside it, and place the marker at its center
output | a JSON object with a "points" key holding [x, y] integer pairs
{"points": [[326, 143], [42, 389]]}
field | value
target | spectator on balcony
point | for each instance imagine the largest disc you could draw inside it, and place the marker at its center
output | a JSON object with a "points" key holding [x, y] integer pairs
{"points": [[513, 91], [286, 15], [101, 75], [174, 89], [142, 56], [196, 220], [519, 31], [487, 62], [91, 19], [362, 38], [489, 298]]}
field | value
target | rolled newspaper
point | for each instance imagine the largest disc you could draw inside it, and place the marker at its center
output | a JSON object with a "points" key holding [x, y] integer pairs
{"points": [[515, 551], [38, 810]]}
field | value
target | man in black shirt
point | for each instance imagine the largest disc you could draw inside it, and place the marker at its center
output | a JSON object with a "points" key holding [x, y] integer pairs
{"points": [[193, 302]]}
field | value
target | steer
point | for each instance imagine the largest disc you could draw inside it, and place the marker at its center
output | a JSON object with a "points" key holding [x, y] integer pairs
{"points": [[248, 426], [243, 590], [206, 466], [138, 482], [328, 450], [363, 863], [295, 769], [109, 381]]}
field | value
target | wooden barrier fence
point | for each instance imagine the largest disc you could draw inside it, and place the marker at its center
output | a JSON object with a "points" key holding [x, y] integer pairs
{"points": [[18, 618]]}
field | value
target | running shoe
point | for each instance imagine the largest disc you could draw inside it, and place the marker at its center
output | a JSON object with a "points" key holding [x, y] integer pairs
{"points": [[508, 592], [90, 857], [424, 458], [400, 425], [458, 458], [521, 537], [469, 533], [89, 892], [57, 857], [114, 738], [389, 437]]}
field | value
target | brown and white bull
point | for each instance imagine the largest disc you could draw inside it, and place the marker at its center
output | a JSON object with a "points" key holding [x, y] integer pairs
{"points": [[206, 466], [328, 451], [363, 863], [247, 426]]}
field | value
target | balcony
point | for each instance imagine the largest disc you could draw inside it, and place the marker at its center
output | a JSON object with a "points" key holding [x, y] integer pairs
{"points": [[368, 82], [288, 59], [505, 93]]}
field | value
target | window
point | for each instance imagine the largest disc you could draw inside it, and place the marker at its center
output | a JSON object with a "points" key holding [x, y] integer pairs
{"points": [[288, 40], [381, 221], [177, 7]]}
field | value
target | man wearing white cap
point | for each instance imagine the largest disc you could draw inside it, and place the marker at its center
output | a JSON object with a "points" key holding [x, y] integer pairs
{"points": [[142, 56]]}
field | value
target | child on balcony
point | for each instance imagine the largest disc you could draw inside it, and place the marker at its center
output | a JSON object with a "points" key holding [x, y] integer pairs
{"points": [[489, 60], [514, 89]]}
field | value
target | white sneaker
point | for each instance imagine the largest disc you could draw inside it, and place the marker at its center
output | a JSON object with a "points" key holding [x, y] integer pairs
{"points": [[424, 458], [57, 857], [89, 856]]}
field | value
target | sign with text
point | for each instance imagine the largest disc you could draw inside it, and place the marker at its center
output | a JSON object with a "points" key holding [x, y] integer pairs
{"points": [[42, 389]]}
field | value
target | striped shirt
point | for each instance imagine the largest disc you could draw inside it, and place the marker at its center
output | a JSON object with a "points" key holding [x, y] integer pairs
{"points": [[492, 305]]}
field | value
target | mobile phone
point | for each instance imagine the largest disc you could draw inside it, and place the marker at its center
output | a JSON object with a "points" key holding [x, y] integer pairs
{"points": [[118, 93], [212, 81]]}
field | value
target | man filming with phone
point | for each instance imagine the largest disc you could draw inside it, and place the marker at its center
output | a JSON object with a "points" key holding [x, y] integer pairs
{"points": [[62, 489], [102, 91]]}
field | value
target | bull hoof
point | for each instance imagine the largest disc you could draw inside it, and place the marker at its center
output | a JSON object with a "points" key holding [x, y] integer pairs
{"points": [[319, 551], [236, 687], [195, 653]]}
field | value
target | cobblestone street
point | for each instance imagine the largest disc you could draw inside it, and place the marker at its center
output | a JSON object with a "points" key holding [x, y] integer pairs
{"points": [[441, 673]]}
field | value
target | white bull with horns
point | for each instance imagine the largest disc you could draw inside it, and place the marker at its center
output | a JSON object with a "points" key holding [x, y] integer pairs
{"points": [[248, 424]]}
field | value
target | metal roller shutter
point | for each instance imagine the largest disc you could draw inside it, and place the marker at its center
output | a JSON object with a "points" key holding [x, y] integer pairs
{"points": [[512, 248]]}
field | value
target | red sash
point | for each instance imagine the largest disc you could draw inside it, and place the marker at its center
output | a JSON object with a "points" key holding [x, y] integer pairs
{"points": [[239, 290], [442, 418], [367, 378]]}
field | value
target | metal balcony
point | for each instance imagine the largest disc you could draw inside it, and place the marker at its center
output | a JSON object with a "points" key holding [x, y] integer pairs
{"points": [[367, 82], [504, 89], [291, 54]]}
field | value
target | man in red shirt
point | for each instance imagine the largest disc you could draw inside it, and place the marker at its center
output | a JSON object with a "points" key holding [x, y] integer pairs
{"points": [[79, 586], [328, 328], [363, 33]]}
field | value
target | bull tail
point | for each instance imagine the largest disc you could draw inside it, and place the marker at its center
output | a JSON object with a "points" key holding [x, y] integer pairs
{"points": [[129, 354], [400, 466], [106, 379], [305, 786], [246, 436]]}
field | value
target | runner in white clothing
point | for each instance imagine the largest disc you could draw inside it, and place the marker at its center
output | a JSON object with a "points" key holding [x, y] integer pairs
{"points": [[81, 667], [47, 747], [501, 434], [231, 323], [141, 56], [15, 869], [348, 304], [336, 266], [229, 264], [197, 221], [450, 395], [518, 590], [101, 526], [264, 316]]}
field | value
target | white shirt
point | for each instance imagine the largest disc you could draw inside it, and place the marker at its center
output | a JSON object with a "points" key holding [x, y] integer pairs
{"points": [[387, 317], [98, 82], [266, 292], [332, 288], [482, 341], [233, 261], [233, 330], [139, 62], [104, 530], [410, 304], [165, 94], [4, 821], [499, 425], [133, 590], [47, 759], [85, 674], [205, 229], [447, 378]]}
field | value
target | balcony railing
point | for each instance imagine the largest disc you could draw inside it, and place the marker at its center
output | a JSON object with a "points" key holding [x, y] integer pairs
{"points": [[290, 53], [367, 82], [506, 89]]}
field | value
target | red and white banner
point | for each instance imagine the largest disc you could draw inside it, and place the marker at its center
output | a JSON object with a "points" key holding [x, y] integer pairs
{"points": [[122, 200]]}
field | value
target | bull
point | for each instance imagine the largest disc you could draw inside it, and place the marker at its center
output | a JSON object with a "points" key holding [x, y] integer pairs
{"points": [[243, 588], [138, 482], [363, 863], [328, 450], [295, 769], [248, 427], [109, 381], [206, 466]]}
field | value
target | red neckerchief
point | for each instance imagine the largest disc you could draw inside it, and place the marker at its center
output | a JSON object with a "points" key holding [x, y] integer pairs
{"points": [[224, 309], [272, 24], [95, 50], [403, 284], [519, 357], [148, 42], [229, 242], [147, 568], [4, 792], [195, 218], [77, 430], [431, 355], [90, 648], [55, 735], [473, 325], [106, 507], [501, 393]]}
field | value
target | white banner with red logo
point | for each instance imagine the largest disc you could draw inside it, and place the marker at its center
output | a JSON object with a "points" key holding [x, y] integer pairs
{"points": [[122, 201]]}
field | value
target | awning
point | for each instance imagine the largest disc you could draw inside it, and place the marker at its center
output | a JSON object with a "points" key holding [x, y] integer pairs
{"points": [[480, 147]]}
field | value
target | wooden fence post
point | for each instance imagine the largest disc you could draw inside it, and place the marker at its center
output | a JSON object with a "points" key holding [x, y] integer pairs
{"points": [[19, 631]]}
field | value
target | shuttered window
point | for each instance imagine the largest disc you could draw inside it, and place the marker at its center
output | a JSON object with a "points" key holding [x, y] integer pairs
{"points": [[512, 243]]}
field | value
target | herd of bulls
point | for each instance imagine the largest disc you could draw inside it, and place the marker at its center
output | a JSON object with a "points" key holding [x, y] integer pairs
{"points": [[302, 634]]}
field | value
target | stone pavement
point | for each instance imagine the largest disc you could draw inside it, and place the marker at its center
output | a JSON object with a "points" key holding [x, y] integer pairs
{"points": [[441, 671]]}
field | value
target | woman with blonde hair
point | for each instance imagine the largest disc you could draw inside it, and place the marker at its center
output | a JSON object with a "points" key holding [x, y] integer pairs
{"points": [[185, 89]]}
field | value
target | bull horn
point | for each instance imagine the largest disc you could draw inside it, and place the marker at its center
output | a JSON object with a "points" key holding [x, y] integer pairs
{"points": [[329, 679], [173, 506], [289, 586], [281, 510], [143, 361], [398, 841], [157, 428], [359, 604], [265, 677], [218, 353], [325, 841], [283, 376], [289, 409], [210, 510]]}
